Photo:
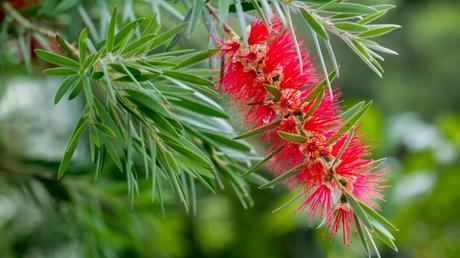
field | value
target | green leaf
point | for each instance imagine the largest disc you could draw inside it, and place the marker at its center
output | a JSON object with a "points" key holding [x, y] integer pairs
{"points": [[386, 236], [283, 176], [65, 5], [55, 58], [348, 8], [135, 45], [149, 101], [350, 26], [66, 84], [349, 123], [77, 131], [372, 17], [64, 45], [105, 129], [273, 90], [224, 9], [261, 163], [378, 30], [315, 104], [109, 42], [188, 77], [200, 107], [227, 142], [196, 13], [82, 45], [351, 111], [362, 236], [125, 30], [60, 71], [87, 90], [260, 12], [319, 87], [292, 137], [358, 210], [113, 154], [164, 37], [372, 213], [198, 57], [311, 21], [76, 89], [257, 130]]}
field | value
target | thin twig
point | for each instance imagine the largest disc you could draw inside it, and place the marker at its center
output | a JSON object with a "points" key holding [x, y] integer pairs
{"points": [[216, 15], [10, 10]]}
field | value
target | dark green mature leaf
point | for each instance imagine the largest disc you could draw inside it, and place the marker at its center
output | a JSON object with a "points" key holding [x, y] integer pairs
{"points": [[258, 130], [200, 107], [349, 123], [188, 77], [313, 23], [198, 57], [60, 71], [55, 58], [77, 131], [292, 137], [283, 177], [109, 42], [66, 84]]}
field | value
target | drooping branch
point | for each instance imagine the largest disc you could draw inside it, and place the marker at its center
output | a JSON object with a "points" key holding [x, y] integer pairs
{"points": [[21, 20]]}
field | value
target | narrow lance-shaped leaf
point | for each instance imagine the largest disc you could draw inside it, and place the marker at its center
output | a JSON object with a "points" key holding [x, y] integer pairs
{"points": [[378, 217], [292, 137], [319, 87], [257, 130], [109, 43], [276, 92], [66, 84], [283, 176], [314, 25], [350, 123], [261, 163], [82, 45], [55, 58], [78, 130], [197, 7], [198, 57]]}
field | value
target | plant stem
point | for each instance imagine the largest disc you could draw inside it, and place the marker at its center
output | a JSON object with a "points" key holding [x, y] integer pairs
{"points": [[215, 14], [10, 10]]}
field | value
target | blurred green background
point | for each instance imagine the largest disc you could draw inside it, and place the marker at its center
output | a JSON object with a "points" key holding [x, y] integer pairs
{"points": [[415, 122]]}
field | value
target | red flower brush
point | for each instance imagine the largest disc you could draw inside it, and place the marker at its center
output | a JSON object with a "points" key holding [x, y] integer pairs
{"points": [[310, 143]]}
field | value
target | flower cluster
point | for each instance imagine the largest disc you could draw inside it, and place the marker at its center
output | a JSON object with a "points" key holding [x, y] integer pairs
{"points": [[276, 90]]}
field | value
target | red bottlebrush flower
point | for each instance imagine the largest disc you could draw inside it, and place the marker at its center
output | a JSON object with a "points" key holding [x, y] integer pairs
{"points": [[325, 170], [341, 217]]}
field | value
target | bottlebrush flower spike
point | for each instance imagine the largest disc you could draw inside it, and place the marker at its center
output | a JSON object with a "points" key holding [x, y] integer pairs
{"points": [[304, 129]]}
